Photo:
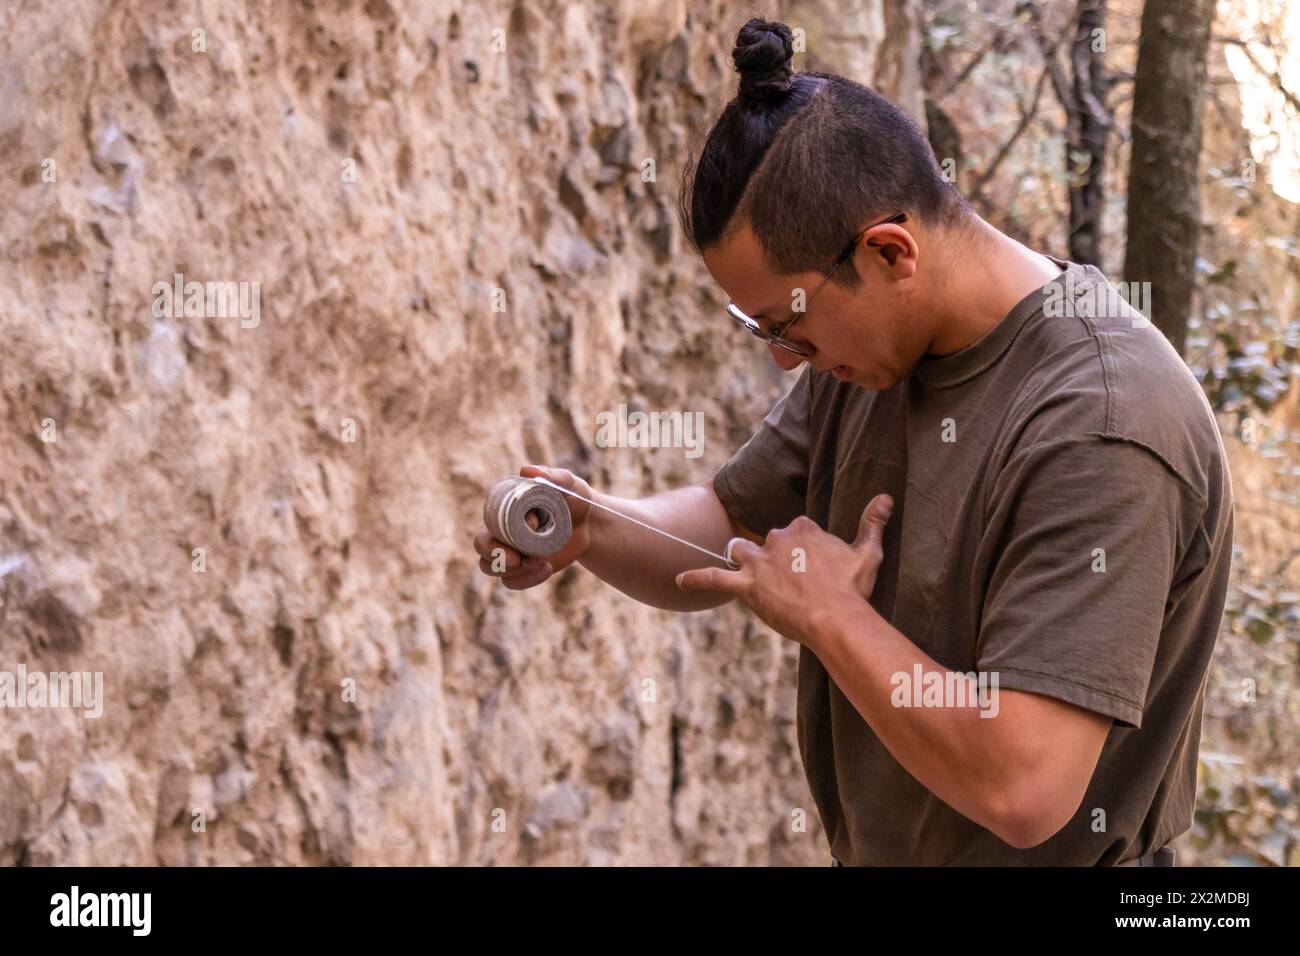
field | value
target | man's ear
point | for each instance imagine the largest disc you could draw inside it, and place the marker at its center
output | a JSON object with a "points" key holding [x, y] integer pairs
{"points": [[889, 246]]}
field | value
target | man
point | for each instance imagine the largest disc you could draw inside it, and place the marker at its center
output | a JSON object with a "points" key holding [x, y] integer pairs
{"points": [[989, 465]]}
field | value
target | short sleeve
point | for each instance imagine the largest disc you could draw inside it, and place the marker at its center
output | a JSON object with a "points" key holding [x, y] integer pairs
{"points": [[764, 485], [1085, 539]]}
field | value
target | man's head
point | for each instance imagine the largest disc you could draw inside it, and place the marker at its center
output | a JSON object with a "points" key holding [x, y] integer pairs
{"points": [[794, 169]]}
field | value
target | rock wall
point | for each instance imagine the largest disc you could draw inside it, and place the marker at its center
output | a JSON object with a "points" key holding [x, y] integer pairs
{"points": [[256, 525]]}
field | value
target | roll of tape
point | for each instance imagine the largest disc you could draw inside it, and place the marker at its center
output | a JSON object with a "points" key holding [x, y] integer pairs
{"points": [[506, 515]]}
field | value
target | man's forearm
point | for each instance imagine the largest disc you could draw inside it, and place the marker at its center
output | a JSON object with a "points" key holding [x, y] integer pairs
{"points": [[958, 755], [644, 565]]}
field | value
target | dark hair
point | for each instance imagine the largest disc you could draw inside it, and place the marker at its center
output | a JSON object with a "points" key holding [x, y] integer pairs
{"points": [[807, 159]]}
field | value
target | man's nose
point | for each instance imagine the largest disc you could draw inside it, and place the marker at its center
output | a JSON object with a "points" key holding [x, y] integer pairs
{"points": [[784, 358]]}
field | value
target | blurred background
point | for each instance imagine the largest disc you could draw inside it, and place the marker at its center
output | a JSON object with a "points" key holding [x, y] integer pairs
{"points": [[457, 224]]}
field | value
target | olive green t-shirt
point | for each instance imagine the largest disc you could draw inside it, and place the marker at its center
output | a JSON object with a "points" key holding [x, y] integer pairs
{"points": [[1062, 518]]}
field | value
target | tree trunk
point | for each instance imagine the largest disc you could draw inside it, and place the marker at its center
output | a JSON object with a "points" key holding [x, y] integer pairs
{"points": [[1164, 214], [1086, 154]]}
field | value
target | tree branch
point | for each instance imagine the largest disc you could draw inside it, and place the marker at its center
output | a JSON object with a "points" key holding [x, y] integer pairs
{"points": [[1275, 76], [1026, 117]]}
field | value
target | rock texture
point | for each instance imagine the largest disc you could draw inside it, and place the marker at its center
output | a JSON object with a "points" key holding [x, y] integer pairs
{"points": [[260, 532]]}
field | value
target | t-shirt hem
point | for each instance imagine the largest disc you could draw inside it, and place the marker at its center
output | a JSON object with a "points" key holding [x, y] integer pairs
{"points": [[1126, 712]]}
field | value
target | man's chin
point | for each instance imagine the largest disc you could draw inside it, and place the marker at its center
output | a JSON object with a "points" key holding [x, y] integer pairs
{"points": [[870, 382]]}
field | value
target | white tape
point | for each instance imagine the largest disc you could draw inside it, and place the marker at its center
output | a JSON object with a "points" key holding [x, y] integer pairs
{"points": [[509, 502]]}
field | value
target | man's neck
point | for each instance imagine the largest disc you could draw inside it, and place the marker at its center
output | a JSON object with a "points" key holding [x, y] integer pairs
{"points": [[989, 274]]}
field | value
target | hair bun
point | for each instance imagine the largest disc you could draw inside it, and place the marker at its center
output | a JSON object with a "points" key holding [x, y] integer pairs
{"points": [[763, 52]]}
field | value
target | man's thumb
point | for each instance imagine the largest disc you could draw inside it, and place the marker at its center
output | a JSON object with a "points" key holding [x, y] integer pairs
{"points": [[874, 518], [556, 476]]}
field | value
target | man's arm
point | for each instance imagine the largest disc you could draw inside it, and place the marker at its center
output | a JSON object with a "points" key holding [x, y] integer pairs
{"points": [[644, 565], [1072, 639], [1020, 774]]}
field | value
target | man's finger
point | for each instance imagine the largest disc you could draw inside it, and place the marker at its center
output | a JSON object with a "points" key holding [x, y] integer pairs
{"points": [[532, 564], [742, 549], [711, 579], [528, 579], [875, 516], [486, 546]]}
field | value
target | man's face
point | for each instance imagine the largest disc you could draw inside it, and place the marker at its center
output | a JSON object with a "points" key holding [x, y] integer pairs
{"points": [[869, 335]]}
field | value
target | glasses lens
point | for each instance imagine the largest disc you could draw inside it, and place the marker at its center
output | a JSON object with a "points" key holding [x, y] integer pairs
{"points": [[754, 328]]}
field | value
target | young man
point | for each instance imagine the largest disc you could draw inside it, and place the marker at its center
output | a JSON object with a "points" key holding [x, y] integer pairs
{"points": [[989, 464]]}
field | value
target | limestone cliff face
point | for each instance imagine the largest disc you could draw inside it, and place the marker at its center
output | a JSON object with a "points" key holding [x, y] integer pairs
{"points": [[256, 524]]}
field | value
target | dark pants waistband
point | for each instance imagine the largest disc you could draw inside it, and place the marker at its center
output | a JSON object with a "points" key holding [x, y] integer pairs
{"points": [[1161, 857]]}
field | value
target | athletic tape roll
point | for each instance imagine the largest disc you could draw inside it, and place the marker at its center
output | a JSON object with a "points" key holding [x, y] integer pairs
{"points": [[505, 514]]}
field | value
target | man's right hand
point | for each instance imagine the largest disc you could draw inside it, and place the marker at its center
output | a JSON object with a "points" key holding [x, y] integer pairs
{"points": [[520, 571]]}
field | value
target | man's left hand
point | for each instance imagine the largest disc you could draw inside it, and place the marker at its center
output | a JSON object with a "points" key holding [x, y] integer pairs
{"points": [[800, 571]]}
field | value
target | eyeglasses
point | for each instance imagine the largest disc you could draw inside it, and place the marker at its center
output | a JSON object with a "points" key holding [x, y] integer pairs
{"points": [[776, 336]]}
